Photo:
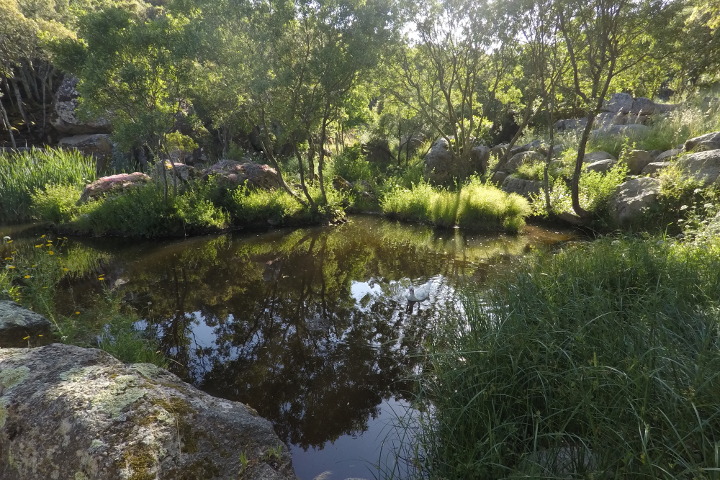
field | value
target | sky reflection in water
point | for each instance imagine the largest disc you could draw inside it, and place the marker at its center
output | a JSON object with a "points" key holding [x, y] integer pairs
{"points": [[310, 327]]}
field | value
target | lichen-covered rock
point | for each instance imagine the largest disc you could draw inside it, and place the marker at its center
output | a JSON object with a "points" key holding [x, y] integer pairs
{"points": [[174, 171], [521, 186], [70, 412], [65, 119], [702, 166], [514, 162], [692, 143], [253, 175], [17, 323], [653, 168], [113, 184], [632, 199], [637, 160], [601, 166]]}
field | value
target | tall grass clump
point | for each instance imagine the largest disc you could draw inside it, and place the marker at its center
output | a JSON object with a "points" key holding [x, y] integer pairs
{"points": [[24, 173], [487, 208], [476, 206], [252, 207], [602, 361]]}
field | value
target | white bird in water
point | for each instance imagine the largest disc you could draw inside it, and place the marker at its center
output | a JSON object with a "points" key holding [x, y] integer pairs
{"points": [[416, 296]]}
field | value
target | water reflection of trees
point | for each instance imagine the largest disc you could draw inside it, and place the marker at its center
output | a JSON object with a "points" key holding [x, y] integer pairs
{"points": [[271, 321]]}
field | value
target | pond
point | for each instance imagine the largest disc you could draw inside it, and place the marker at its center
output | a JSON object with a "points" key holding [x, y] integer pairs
{"points": [[310, 327]]}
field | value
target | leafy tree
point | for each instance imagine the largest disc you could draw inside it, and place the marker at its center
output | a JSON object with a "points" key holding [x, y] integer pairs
{"points": [[603, 38]]}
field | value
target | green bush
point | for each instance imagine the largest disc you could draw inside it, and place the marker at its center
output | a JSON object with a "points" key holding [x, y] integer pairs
{"points": [[487, 208], [252, 207], [56, 203], [23, 174], [602, 361]]}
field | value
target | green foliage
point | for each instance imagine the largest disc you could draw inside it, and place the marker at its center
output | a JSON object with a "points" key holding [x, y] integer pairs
{"points": [[605, 355], [595, 191], [487, 208], [250, 207], [477, 207], [56, 203], [351, 165], [23, 174]]}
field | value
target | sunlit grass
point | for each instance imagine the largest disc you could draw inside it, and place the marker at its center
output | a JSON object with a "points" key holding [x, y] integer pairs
{"points": [[604, 358], [23, 174], [476, 206]]}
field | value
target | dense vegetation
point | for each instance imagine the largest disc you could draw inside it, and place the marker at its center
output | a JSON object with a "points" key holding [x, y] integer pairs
{"points": [[301, 81], [602, 358]]}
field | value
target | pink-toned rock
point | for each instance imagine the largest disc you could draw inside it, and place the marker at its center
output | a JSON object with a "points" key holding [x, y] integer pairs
{"points": [[232, 173], [113, 184]]}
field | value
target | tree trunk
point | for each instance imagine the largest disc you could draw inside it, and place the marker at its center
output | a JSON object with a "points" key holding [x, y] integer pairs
{"points": [[575, 185], [6, 122]]}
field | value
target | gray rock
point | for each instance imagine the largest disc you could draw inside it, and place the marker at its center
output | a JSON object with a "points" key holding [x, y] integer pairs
{"points": [[499, 177], [701, 166], [653, 168], [113, 184], [618, 102], [570, 124], [520, 159], [637, 160], [231, 173], [439, 163], [98, 145], [691, 143], [65, 119], [174, 171], [592, 157], [705, 146], [601, 166], [479, 159], [668, 155], [71, 412], [17, 322], [632, 199], [521, 186]]}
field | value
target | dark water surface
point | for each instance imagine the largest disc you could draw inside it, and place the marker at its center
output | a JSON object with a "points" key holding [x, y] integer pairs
{"points": [[310, 327]]}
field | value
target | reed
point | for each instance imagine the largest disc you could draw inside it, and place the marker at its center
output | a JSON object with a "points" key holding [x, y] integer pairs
{"points": [[602, 361], [24, 173]]}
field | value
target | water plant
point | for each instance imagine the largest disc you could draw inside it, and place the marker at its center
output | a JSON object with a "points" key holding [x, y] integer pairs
{"points": [[599, 362]]}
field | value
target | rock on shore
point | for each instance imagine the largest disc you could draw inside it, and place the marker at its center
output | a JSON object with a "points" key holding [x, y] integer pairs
{"points": [[71, 412]]}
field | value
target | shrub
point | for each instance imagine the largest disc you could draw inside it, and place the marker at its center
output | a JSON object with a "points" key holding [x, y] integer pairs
{"points": [[55, 203], [258, 207], [487, 208], [602, 361]]}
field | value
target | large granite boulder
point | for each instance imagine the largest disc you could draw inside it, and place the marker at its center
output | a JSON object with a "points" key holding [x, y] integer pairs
{"points": [[592, 157], [521, 186], [254, 175], [97, 145], [70, 412], [632, 199], [601, 166], [113, 184], [65, 118], [440, 164], [701, 166], [521, 158], [637, 160], [707, 139], [18, 323], [479, 159]]}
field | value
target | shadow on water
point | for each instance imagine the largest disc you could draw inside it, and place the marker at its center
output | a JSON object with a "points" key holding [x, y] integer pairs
{"points": [[310, 327]]}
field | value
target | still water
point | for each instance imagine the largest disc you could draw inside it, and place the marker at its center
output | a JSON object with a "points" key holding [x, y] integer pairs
{"points": [[310, 327]]}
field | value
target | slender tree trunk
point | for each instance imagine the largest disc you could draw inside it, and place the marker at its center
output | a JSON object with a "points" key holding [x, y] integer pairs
{"points": [[6, 122], [579, 159], [301, 169]]}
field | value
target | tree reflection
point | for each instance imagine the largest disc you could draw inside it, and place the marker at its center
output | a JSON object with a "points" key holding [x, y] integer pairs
{"points": [[273, 320]]}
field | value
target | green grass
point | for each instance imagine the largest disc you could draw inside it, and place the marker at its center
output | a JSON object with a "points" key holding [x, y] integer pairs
{"points": [[23, 174], [476, 206], [606, 353]]}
